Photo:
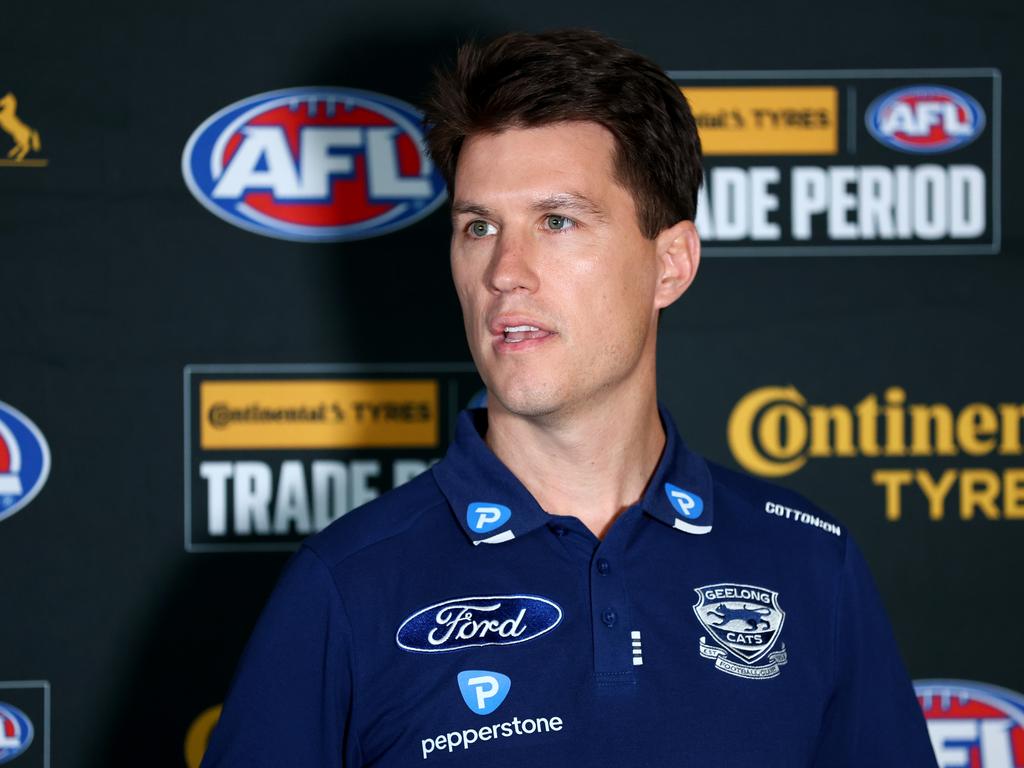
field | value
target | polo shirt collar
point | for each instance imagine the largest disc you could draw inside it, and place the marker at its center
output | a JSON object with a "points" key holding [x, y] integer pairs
{"points": [[492, 506], [680, 492], [489, 502]]}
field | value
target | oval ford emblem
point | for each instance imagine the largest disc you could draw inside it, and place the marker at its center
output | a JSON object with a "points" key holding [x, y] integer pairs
{"points": [[24, 460], [15, 732], [314, 164], [466, 622], [925, 119]]}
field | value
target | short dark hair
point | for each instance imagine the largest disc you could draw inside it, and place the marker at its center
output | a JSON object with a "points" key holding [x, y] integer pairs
{"points": [[528, 80]]}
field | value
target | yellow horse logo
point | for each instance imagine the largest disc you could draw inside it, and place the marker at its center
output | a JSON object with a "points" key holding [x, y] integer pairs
{"points": [[25, 137]]}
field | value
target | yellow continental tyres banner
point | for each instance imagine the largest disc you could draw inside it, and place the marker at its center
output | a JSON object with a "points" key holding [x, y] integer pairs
{"points": [[274, 453], [766, 120], [930, 459], [319, 413]]}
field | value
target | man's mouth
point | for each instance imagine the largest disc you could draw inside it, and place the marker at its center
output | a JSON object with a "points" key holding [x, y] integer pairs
{"points": [[514, 334]]}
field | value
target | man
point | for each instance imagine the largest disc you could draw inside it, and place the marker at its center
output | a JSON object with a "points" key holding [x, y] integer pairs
{"points": [[571, 585]]}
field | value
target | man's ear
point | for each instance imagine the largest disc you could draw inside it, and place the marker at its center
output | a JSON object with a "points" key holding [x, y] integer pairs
{"points": [[678, 249]]}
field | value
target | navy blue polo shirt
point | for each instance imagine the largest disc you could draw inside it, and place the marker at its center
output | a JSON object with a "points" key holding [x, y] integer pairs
{"points": [[722, 621]]}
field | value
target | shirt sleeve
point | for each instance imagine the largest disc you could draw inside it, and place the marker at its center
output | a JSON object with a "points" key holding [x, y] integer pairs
{"points": [[873, 717], [291, 698]]}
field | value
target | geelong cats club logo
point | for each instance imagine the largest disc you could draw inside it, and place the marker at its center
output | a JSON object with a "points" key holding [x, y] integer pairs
{"points": [[743, 624]]}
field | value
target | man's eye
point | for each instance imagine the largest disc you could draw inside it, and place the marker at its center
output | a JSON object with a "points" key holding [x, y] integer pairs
{"points": [[480, 228], [557, 223]]}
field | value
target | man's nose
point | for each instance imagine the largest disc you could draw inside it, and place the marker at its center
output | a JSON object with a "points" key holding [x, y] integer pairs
{"points": [[513, 264]]}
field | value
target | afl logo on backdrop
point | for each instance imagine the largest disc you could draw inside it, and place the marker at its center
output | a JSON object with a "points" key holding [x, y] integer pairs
{"points": [[314, 164], [24, 460], [15, 732], [972, 723], [925, 119]]}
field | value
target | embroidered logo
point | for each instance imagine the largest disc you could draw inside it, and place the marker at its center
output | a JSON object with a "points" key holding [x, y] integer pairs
{"points": [[743, 624], [471, 621]]}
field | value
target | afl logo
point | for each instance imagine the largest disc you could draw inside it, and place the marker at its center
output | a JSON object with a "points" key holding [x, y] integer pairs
{"points": [[314, 164], [972, 723], [925, 119], [24, 460], [15, 732]]}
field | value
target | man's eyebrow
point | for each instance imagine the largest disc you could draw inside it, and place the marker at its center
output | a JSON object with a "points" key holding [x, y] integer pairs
{"points": [[564, 201], [568, 201], [460, 207]]}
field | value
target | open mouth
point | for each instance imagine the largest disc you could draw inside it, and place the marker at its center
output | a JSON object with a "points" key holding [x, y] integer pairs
{"points": [[515, 334]]}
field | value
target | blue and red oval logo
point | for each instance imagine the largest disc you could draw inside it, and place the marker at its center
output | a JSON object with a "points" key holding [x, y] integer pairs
{"points": [[24, 460], [973, 723], [15, 732], [925, 119], [314, 164]]}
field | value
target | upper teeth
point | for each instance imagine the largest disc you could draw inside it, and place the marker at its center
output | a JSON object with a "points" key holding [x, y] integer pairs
{"points": [[520, 328]]}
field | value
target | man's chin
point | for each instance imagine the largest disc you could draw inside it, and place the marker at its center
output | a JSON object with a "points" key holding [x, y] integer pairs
{"points": [[527, 403]]}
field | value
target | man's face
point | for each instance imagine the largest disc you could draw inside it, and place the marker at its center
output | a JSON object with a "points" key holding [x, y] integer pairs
{"points": [[556, 281]]}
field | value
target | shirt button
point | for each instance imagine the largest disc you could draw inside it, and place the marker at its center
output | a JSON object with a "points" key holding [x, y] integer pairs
{"points": [[603, 566], [609, 617], [559, 530]]}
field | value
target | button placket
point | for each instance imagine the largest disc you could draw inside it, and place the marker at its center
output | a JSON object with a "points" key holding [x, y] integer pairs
{"points": [[610, 611]]}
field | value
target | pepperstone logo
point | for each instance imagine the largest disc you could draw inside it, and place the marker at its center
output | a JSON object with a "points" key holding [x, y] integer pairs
{"points": [[744, 622], [774, 431], [689, 507], [467, 622], [483, 691], [484, 517], [275, 453], [973, 724]]}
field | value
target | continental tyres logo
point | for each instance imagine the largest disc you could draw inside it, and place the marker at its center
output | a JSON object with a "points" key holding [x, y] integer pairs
{"points": [[775, 431], [275, 453], [766, 120]]}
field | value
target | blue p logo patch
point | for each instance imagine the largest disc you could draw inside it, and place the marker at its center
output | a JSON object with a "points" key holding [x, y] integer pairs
{"points": [[688, 505], [485, 516], [483, 691]]}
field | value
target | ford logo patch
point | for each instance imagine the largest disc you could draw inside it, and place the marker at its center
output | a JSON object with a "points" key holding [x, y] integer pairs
{"points": [[466, 622]]}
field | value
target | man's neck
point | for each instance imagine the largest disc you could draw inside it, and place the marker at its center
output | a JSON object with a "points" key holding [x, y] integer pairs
{"points": [[592, 465]]}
